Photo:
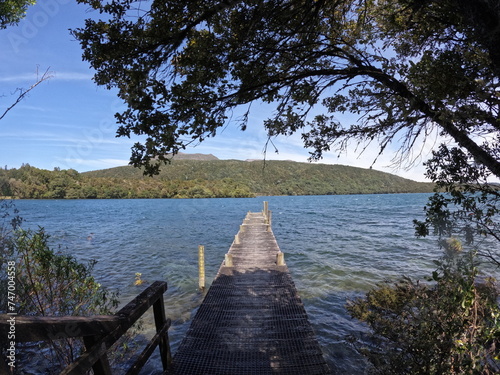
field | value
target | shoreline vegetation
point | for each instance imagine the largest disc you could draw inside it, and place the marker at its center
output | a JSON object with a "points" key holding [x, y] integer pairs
{"points": [[195, 178]]}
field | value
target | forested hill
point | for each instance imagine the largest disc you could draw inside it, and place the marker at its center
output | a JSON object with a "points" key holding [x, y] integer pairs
{"points": [[204, 178]]}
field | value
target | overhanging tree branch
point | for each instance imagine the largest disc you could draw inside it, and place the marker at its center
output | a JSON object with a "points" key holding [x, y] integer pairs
{"points": [[224, 54], [440, 118]]}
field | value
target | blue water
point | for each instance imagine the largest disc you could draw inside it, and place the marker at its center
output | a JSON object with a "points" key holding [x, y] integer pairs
{"points": [[336, 247]]}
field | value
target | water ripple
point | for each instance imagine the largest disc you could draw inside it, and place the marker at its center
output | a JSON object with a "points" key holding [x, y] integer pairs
{"points": [[337, 247]]}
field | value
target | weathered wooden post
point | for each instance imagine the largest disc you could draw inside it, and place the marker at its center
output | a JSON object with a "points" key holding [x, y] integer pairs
{"points": [[201, 266], [266, 211], [236, 239], [164, 344], [280, 259], [228, 260], [101, 367]]}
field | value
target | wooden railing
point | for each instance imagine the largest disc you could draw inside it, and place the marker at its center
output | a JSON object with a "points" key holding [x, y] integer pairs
{"points": [[99, 332]]}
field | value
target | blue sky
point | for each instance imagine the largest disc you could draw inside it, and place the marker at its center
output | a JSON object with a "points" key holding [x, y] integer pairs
{"points": [[68, 121]]}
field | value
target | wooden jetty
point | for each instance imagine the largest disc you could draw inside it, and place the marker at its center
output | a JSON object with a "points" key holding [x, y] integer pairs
{"points": [[252, 320]]}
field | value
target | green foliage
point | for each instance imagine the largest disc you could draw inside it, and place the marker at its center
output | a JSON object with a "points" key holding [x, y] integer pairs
{"points": [[49, 283], [405, 67], [206, 179], [12, 11], [448, 326], [54, 284], [469, 206]]}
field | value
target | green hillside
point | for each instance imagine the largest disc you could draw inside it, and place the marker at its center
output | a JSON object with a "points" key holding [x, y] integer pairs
{"points": [[203, 178], [277, 177]]}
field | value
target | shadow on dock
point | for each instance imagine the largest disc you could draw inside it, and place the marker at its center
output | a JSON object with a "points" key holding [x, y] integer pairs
{"points": [[250, 323], [252, 320]]}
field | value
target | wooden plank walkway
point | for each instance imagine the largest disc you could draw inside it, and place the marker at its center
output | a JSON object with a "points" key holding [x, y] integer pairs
{"points": [[252, 320]]}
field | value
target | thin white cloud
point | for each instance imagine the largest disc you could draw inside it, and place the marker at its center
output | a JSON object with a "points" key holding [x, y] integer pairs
{"points": [[70, 141], [33, 77], [27, 107], [72, 76], [83, 165], [96, 162], [19, 78]]}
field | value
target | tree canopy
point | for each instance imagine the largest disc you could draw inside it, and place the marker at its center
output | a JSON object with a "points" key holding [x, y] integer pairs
{"points": [[12, 11], [409, 69], [405, 67]]}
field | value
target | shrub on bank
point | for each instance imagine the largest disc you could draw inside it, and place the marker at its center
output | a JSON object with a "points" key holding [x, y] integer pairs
{"points": [[450, 325]]}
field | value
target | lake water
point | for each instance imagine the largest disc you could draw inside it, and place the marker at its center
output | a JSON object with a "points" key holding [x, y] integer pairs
{"points": [[336, 247]]}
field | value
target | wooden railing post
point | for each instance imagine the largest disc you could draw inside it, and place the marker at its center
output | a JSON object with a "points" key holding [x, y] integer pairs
{"points": [[164, 344], [101, 367]]}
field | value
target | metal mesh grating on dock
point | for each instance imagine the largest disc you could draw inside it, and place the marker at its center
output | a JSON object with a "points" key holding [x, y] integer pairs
{"points": [[252, 320]]}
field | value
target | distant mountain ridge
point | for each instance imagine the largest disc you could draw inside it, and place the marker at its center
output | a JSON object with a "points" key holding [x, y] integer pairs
{"points": [[274, 177], [203, 176], [185, 156]]}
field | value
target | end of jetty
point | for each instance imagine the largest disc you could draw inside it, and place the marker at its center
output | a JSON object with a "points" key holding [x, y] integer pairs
{"points": [[251, 321]]}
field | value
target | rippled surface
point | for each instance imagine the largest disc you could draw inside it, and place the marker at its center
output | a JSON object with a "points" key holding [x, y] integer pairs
{"points": [[336, 247]]}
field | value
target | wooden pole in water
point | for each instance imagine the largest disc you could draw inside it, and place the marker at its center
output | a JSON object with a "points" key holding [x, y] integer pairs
{"points": [[280, 259], [201, 266], [228, 260]]}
